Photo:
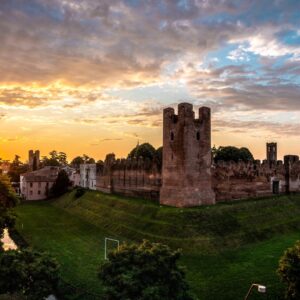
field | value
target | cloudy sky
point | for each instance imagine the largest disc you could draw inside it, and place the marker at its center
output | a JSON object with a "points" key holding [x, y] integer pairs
{"points": [[92, 76]]}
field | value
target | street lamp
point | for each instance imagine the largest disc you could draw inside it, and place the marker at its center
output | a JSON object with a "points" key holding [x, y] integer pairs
{"points": [[260, 288]]}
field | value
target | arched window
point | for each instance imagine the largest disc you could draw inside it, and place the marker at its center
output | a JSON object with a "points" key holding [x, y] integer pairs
{"points": [[198, 135], [172, 136]]}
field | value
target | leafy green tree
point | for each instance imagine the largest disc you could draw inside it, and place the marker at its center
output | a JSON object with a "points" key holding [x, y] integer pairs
{"points": [[62, 158], [61, 184], [16, 169], [77, 161], [53, 154], [144, 271], [245, 154], [8, 199], [230, 153], [88, 160], [91, 161], [53, 162], [289, 271], [16, 161], [31, 273], [145, 150], [55, 159]]}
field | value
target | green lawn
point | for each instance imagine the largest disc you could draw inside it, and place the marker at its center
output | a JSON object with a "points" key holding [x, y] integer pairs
{"points": [[225, 247]]}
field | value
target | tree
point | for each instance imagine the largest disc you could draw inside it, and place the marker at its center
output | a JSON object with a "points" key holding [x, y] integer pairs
{"points": [[55, 159], [16, 161], [31, 273], [8, 199], [230, 153], [62, 158], [289, 271], [16, 169], [246, 155], [77, 161], [88, 160], [61, 184], [145, 150], [53, 162], [53, 155], [144, 271]]}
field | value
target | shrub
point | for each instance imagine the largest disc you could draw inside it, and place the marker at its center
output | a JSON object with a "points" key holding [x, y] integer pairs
{"points": [[79, 192], [144, 271], [33, 274], [289, 271]]}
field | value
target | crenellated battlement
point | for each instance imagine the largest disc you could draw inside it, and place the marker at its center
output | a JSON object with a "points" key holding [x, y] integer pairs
{"points": [[186, 113]]}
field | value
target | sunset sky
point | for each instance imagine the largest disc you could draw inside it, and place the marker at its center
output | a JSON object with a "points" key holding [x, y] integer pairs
{"points": [[93, 76]]}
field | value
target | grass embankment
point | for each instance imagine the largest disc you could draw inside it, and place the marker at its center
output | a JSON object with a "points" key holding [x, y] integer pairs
{"points": [[225, 247]]}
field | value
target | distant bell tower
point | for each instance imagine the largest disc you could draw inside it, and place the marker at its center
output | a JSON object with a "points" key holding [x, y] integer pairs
{"points": [[34, 160], [271, 153], [186, 171]]}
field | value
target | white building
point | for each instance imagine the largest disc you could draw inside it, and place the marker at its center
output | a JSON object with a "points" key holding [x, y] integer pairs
{"points": [[88, 176], [37, 184]]}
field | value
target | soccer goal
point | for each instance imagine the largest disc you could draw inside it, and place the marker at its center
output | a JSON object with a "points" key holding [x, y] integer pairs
{"points": [[110, 245]]}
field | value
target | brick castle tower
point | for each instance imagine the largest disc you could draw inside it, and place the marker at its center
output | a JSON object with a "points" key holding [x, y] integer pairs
{"points": [[272, 153], [186, 171], [34, 160]]}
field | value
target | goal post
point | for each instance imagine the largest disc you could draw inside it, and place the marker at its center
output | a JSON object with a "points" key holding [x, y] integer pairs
{"points": [[107, 241]]}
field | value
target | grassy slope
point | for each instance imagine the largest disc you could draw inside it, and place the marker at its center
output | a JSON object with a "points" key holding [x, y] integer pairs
{"points": [[225, 247]]}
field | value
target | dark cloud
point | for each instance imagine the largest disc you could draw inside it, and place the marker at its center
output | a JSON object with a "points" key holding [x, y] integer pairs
{"points": [[113, 43], [242, 88], [241, 126]]}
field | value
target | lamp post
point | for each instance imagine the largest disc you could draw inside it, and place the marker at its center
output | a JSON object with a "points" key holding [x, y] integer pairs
{"points": [[260, 288]]}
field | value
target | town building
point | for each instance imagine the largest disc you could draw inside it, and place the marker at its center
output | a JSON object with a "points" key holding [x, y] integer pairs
{"points": [[88, 176], [36, 185]]}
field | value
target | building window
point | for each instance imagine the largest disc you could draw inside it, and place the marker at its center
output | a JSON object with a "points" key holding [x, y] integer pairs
{"points": [[39, 192], [30, 184], [39, 184], [172, 136], [30, 193], [198, 135]]}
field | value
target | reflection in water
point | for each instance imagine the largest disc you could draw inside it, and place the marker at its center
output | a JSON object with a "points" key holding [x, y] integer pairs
{"points": [[8, 243]]}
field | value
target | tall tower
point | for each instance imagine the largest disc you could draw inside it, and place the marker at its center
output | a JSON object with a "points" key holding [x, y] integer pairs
{"points": [[186, 171], [271, 153], [34, 160]]}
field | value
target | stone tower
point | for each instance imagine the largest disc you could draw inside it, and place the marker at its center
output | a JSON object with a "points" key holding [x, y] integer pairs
{"points": [[186, 171], [34, 160], [271, 153]]}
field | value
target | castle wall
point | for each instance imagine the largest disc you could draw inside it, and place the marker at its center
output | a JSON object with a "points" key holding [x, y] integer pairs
{"points": [[188, 177], [129, 177], [245, 180], [230, 180]]}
